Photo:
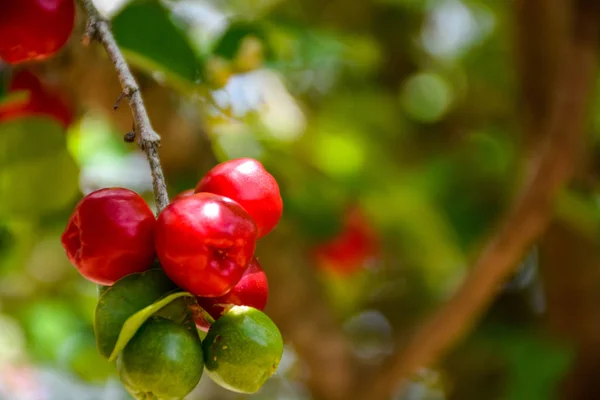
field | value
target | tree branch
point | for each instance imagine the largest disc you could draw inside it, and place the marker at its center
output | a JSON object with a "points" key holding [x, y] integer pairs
{"points": [[99, 28], [573, 303], [562, 137]]}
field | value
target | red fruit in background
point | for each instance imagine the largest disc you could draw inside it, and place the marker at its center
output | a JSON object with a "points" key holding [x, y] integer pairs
{"points": [[183, 194], [246, 181], [33, 30], [351, 248], [110, 235], [252, 291], [204, 243], [40, 102]]}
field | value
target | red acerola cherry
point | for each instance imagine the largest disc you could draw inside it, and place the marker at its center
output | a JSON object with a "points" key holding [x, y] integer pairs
{"points": [[33, 30], [246, 181], [252, 291], [351, 248], [183, 194], [204, 243], [110, 235], [41, 101]]}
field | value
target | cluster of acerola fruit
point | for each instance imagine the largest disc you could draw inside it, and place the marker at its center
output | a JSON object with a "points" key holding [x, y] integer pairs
{"points": [[203, 243], [30, 31]]}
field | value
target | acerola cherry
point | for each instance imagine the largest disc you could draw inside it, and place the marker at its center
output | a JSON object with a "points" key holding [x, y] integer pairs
{"points": [[252, 290], [347, 252], [204, 243], [242, 349], [246, 181], [110, 235], [163, 360], [40, 102], [34, 29]]}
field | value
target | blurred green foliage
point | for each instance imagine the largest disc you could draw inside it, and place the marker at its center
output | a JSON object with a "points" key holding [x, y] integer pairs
{"points": [[403, 107]]}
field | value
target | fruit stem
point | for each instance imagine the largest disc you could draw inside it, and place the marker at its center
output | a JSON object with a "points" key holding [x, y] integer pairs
{"points": [[98, 28]]}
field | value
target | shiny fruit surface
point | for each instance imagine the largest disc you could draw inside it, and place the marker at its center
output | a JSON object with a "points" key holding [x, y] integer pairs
{"points": [[204, 243], [242, 349], [34, 30], [246, 181], [110, 235]]}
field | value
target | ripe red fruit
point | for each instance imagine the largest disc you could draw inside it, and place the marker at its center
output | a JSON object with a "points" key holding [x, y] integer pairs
{"points": [[246, 181], [33, 30], [351, 248], [40, 102], [252, 291], [110, 235], [204, 243]]}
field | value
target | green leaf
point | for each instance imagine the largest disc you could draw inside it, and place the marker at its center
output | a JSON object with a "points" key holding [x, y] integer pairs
{"points": [[134, 322], [151, 39], [176, 310], [37, 173], [123, 299], [229, 43], [101, 290]]}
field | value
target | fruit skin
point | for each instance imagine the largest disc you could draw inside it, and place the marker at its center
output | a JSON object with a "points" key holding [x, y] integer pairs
{"points": [[347, 252], [163, 358], [34, 30], [242, 349], [110, 235], [252, 290], [41, 101], [247, 182], [204, 243]]}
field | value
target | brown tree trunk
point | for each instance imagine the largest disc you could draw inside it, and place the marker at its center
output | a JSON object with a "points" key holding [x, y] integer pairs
{"points": [[570, 268]]}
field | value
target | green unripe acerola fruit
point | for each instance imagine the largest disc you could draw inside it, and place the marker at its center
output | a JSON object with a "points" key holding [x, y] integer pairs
{"points": [[242, 349], [162, 361]]}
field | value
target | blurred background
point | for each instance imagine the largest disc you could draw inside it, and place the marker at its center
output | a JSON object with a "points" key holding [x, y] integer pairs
{"points": [[396, 130]]}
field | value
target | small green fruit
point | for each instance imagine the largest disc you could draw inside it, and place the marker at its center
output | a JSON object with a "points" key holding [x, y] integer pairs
{"points": [[242, 349], [162, 361]]}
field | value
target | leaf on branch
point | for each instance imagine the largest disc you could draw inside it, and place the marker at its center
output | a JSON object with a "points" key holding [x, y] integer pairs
{"points": [[151, 39], [133, 323], [122, 300]]}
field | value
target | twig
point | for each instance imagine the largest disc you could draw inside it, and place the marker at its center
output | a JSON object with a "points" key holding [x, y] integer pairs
{"points": [[98, 28], [118, 102], [562, 134]]}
